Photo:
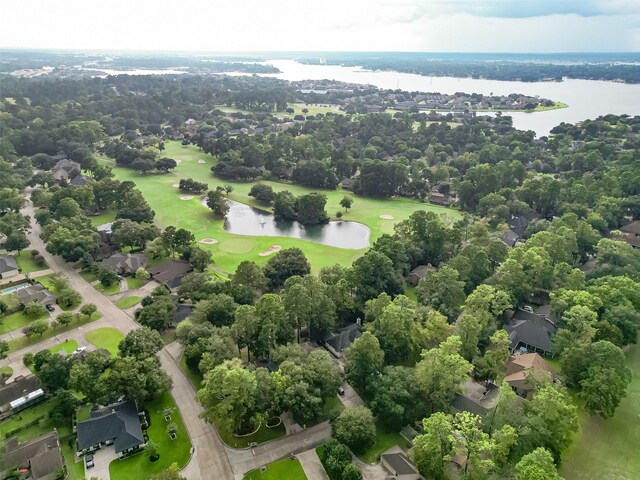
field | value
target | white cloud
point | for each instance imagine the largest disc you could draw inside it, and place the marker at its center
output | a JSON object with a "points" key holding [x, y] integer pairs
{"points": [[297, 25]]}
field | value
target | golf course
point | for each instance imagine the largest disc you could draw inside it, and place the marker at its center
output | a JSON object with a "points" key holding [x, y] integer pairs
{"points": [[185, 211]]}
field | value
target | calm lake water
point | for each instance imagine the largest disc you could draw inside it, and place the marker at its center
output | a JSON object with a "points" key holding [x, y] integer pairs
{"points": [[245, 220], [587, 99]]}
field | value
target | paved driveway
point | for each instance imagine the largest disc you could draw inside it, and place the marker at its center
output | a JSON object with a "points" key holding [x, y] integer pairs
{"points": [[312, 465], [101, 458], [350, 397]]}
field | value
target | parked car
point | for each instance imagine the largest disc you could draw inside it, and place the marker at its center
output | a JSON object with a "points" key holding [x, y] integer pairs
{"points": [[340, 391], [88, 461], [50, 307], [79, 350]]}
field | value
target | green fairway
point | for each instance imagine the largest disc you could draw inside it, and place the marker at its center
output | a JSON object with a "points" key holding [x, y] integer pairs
{"points": [[232, 249], [107, 338], [280, 470], [17, 320], [609, 448], [170, 451], [27, 264], [127, 302]]}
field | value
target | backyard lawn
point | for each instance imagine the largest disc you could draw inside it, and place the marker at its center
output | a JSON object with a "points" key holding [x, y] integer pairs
{"points": [[107, 338], [231, 249], [17, 320], [279, 470], [127, 302], [27, 264], [385, 439], [609, 448], [170, 451], [104, 217]]}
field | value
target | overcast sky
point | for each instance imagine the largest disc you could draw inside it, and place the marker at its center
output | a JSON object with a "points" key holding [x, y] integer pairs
{"points": [[324, 25]]}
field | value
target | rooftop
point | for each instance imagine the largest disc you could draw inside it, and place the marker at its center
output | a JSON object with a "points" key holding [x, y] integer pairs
{"points": [[169, 270], [18, 388], [41, 455], [399, 463], [118, 422], [35, 293], [7, 263]]}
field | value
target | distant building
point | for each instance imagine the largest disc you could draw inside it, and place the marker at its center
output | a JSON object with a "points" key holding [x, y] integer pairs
{"points": [[182, 313], [510, 238], [476, 398], [170, 273], [398, 465], [8, 266], [23, 391], [80, 180], [336, 342], [438, 198], [530, 332], [105, 231], [518, 369], [117, 424], [520, 223], [41, 457]]}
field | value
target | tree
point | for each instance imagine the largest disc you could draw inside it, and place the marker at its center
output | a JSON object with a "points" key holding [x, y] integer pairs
{"points": [[171, 473], [38, 327], [285, 264], [217, 310], [4, 349], [16, 242], [473, 443], [143, 165], [250, 275], [284, 206], [310, 209], [151, 450], [217, 203], [494, 362], [64, 318], [355, 428], [68, 298], [372, 274], [346, 202], [351, 472], [307, 305], [88, 309], [142, 274], [443, 291], [228, 396], [159, 314], [395, 328], [35, 309], [176, 239], [262, 193], [107, 276], [64, 404], [166, 164], [54, 373], [141, 343], [537, 465], [363, 360], [142, 379], [440, 372], [397, 399], [126, 233], [199, 258], [435, 447]]}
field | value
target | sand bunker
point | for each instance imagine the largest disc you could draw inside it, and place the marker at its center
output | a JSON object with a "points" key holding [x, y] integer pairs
{"points": [[201, 161], [187, 197], [386, 217], [209, 241], [273, 249], [177, 161], [176, 185]]}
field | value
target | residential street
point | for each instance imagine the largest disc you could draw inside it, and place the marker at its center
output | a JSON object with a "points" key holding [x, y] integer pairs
{"points": [[211, 459]]}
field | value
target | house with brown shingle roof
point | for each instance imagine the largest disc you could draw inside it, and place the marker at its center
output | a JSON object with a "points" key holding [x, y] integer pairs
{"points": [[40, 456], [520, 367]]}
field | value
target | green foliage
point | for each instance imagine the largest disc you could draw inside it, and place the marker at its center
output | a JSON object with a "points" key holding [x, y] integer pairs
{"points": [[355, 428]]}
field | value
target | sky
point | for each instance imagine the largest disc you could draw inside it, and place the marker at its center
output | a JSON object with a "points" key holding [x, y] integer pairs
{"points": [[325, 25]]}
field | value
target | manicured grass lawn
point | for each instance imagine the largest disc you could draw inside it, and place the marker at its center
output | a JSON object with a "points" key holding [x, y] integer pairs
{"points": [[110, 290], [45, 281], [170, 451], [263, 435], [22, 342], [107, 338], [88, 276], [6, 371], [385, 439], [232, 249], [280, 470], [194, 376], [104, 217], [68, 347], [331, 405], [83, 413], [609, 448], [168, 336], [133, 283], [127, 302], [16, 320], [27, 264]]}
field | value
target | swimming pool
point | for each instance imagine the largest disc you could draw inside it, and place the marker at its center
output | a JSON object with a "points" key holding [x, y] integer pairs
{"points": [[9, 290]]}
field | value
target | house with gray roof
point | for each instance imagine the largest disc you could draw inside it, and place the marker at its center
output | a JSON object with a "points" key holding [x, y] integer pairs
{"points": [[126, 263], [337, 341], [35, 293], [418, 273], [530, 332], [398, 465], [8, 266], [117, 424], [20, 388], [510, 238], [41, 457]]}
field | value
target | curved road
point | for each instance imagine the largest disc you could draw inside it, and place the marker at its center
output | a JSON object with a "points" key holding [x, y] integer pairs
{"points": [[211, 459]]}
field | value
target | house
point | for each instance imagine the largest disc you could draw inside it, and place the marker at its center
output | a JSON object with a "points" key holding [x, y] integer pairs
{"points": [[632, 228], [65, 169], [418, 273], [518, 369], [170, 272], [126, 263], [530, 331], [630, 238], [35, 293], [183, 312], [476, 398], [80, 180], [105, 231], [398, 465], [118, 424], [347, 184], [20, 393], [438, 198], [336, 342], [519, 224], [510, 238], [8, 266], [41, 457]]}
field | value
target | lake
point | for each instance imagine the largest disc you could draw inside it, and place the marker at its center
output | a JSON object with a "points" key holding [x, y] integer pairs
{"points": [[587, 99], [245, 220]]}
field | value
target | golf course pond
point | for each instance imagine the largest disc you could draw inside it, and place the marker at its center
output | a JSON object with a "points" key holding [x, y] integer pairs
{"points": [[245, 220]]}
